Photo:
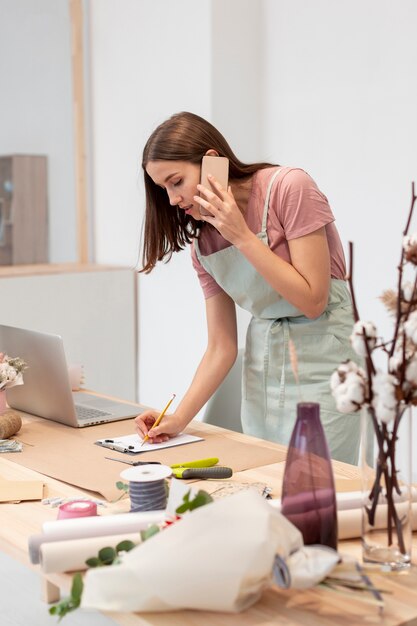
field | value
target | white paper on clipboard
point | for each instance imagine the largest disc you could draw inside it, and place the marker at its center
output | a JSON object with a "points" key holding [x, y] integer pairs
{"points": [[131, 444]]}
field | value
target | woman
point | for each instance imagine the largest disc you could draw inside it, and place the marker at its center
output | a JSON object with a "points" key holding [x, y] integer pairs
{"points": [[271, 247]]}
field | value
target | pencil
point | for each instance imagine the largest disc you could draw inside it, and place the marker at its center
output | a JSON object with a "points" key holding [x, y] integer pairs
{"points": [[159, 418]]}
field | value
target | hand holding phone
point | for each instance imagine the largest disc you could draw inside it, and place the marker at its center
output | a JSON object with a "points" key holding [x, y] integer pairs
{"points": [[219, 168]]}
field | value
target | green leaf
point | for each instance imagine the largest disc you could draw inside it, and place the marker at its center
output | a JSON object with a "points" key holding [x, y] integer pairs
{"points": [[73, 602], [77, 588], [200, 499], [107, 555], [93, 562], [125, 546], [122, 485], [149, 532]]}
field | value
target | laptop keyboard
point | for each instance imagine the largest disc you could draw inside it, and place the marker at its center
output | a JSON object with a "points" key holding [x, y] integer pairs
{"points": [[86, 412]]}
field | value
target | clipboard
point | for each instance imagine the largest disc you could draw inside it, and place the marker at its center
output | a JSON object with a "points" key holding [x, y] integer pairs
{"points": [[131, 444]]}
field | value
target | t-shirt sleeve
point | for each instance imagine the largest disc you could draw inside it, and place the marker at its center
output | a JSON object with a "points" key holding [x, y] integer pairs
{"points": [[209, 286], [300, 205]]}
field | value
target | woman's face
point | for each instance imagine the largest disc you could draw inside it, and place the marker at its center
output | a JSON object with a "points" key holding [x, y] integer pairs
{"points": [[180, 180]]}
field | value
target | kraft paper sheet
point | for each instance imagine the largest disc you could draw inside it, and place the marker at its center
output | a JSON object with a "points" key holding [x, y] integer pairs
{"points": [[70, 454]]}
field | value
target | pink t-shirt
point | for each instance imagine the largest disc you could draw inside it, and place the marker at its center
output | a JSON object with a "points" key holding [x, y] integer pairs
{"points": [[297, 207]]}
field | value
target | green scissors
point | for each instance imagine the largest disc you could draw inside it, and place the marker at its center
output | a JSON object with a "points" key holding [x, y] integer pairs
{"points": [[203, 468]]}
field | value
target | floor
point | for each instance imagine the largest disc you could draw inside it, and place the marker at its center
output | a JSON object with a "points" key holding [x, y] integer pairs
{"points": [[21, 604]]}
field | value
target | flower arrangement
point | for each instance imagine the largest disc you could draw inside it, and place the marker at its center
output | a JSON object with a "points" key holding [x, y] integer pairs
{"points": [[385, 394], [11, 369]]}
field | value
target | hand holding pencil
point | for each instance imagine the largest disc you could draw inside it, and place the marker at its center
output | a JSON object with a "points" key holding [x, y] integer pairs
{"points": [[147, 422]]}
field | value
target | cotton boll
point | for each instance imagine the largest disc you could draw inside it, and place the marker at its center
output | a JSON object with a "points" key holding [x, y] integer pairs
{"points": [[335, 380], [408, 291], [355, 388], [348, 387], [384, 401], [394, 364], [344, 405], [384, 414], [411, 372], [363, 332], [410, 248], [410, 327]]}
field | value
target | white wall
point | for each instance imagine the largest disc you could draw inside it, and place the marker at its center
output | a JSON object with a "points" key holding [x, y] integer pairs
{"points": [[163, 57], [149, 68], [36, 105], [324, 85], [340, 100]]}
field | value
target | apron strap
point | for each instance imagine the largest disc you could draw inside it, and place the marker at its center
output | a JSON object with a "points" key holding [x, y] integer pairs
{"points": [[281, 325], [266, 203]]}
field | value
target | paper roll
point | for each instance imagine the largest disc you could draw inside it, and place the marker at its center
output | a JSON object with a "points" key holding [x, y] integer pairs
{"points": [[84, 527], [70, 556], [350, 521], [349, 513], [10, 423]]}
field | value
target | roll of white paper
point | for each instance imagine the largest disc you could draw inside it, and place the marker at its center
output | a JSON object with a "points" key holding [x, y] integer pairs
{"points": [[73, 528], [71, 555], [83, 527]]}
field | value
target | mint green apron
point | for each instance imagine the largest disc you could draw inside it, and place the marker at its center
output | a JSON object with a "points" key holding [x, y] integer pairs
{"points": [[269, 391]]}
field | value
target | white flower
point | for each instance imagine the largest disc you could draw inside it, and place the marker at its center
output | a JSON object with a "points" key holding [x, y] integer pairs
{"points": [[348, 384], [384, 400], [410, 248], [10, 371], [410, 327], [357, 338]]}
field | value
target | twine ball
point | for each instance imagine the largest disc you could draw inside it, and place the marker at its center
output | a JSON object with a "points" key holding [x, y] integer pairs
{"points": [[10, 423]]}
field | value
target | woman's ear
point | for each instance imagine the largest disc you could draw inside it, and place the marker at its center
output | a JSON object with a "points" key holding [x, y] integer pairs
{"points": [[212, 152]]}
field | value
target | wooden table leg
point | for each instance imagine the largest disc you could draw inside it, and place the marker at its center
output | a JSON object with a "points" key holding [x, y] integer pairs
{"points": [[50, 593]]}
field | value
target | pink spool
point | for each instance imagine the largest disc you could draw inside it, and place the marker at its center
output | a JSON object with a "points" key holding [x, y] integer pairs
{"points": [[77, 508]]}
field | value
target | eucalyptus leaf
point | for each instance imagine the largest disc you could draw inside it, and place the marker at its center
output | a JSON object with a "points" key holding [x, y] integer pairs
{"points": [[200, 499], [125, 546], [93, 562], [107, 555], [77, 587], [149, 532], [182, 508], [73, 602]]}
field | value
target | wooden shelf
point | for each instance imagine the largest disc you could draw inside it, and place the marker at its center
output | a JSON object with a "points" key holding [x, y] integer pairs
{"points": [[13, 271]]}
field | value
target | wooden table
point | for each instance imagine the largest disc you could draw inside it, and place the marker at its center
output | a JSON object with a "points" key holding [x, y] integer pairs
{"points": [[316, 606]]}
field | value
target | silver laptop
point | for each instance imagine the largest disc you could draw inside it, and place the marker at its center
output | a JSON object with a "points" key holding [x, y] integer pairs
{"points": [[46, 391]]}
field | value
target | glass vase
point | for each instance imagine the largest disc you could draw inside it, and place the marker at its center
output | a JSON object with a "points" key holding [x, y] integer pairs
{"points": [[386, 492], [308, 497]]}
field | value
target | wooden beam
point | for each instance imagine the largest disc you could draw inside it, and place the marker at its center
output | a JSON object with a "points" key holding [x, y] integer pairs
{"points": [[77, 41]]}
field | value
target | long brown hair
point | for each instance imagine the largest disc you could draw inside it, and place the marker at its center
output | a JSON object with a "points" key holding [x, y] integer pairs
{"points": [[183, 137]]}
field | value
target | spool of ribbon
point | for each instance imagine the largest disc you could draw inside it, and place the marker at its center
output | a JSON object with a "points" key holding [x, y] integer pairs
{"points": [[147, 489], [77, 508], [10, 423]]}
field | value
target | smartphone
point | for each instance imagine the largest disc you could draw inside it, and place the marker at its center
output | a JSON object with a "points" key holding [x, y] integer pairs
{"points": [[219, 168]]}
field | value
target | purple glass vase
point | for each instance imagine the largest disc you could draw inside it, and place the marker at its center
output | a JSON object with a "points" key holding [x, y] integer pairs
{"points": [[308, 497]]}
